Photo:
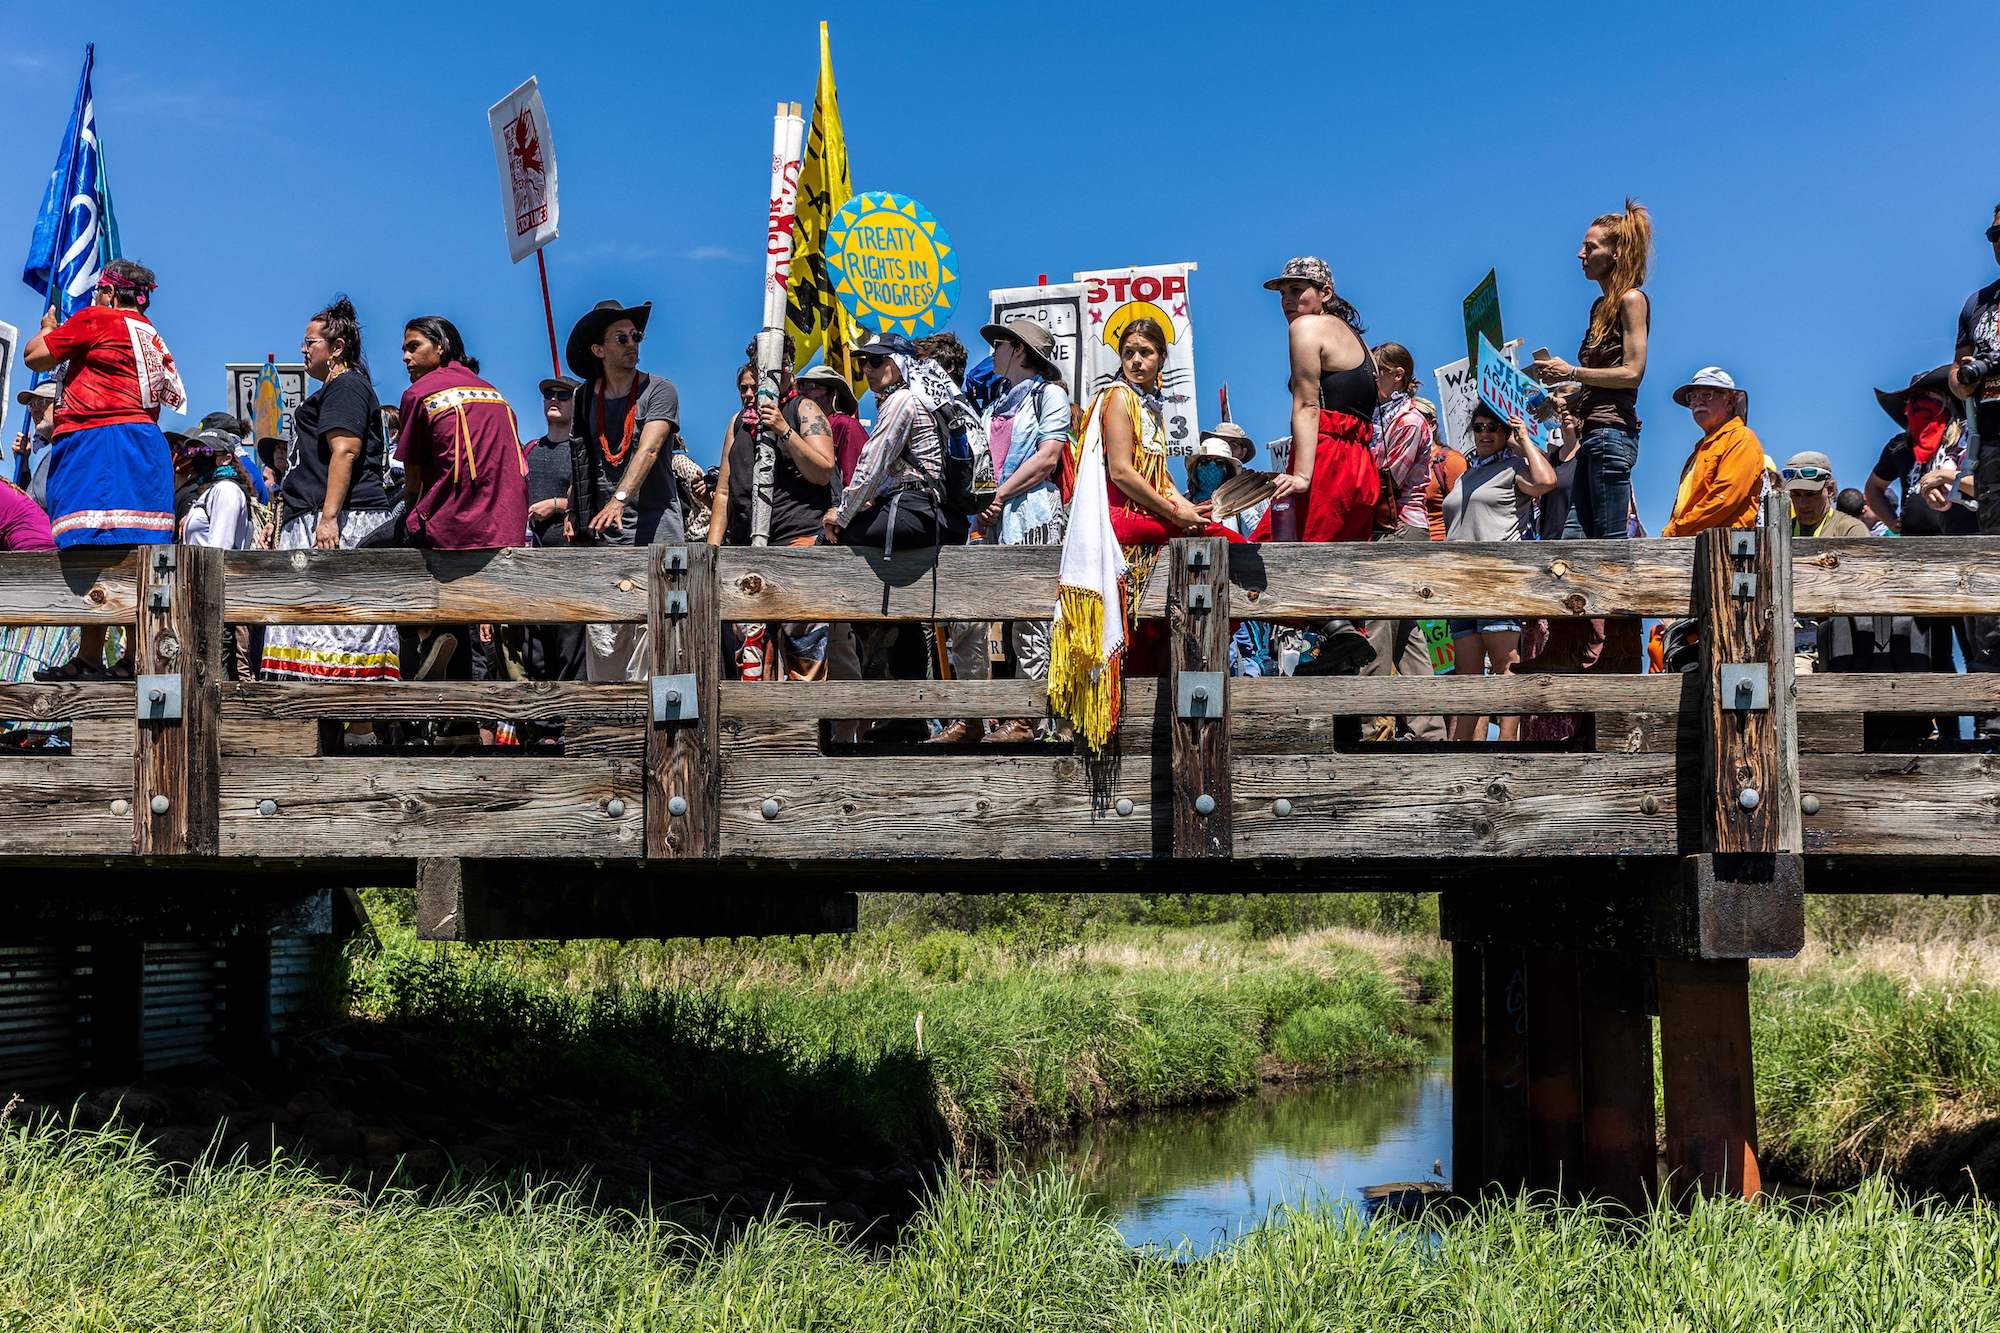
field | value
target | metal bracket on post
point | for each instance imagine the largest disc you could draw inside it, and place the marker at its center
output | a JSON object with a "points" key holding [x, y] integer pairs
{"points": [[1200, 695], [159, 698], [1197, 558], [1743, 587], [1745, 687], [163, 560], [1199, 598], [1743, 543], [676, 603], [674, 559], [675, 699]]}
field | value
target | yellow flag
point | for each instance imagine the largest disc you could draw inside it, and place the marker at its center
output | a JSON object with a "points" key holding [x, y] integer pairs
{"points": [[814, 318]]}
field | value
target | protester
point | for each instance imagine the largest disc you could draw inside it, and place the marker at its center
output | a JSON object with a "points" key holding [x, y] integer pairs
{"points": [[967, 643], [1808, 478], [110, 479], [1027, 429], [829, 390], [697, 501], [1447, 465], [1332, 477], [32, 446], [1723, 479], [1610, 365], [550, 652], [211, 491], [1402, 447], [801, 490], [1494, 501], [333, 498], [626, 420], [1975, 378], [1925, 460], [895, 498]]}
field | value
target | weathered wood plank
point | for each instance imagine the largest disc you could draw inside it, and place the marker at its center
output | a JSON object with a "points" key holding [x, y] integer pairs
{"points": [[56, 806], [1269, 710], [376, 807], [1454, 804], [1278, 582], [84, 585], [1707, 1087], [259, 738], [1775, 554], [419, 701], [1929, 804], [1874, 576], [1916, 692], [682, 767], [175, 759], [1739, 746], [1198, 641], [550, 586], [757, 702], [59, 703]]}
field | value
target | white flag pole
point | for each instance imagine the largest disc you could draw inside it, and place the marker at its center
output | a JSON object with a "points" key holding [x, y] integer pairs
{"points": [[787, 149]]}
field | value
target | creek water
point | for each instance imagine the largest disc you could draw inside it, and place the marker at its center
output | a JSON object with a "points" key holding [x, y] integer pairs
{"points": [[1199, 1177]]}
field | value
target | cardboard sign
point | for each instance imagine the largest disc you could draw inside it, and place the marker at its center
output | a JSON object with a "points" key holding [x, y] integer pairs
{"points": [[1457, 389], [897, 272], [526, 153], [266, 394], [10, 345], [1058, 308], [1482, 316], [1113, 298], [1437, 637], [1507, 390]]}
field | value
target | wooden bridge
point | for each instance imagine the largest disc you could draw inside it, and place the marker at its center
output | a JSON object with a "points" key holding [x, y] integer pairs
{"points": [[1588, 885]]}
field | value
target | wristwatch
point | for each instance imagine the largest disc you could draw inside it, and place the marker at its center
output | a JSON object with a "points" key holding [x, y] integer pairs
{"points": [[620, 496]]}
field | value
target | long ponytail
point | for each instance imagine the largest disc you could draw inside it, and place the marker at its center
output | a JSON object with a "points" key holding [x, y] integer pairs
{"points": [[1631, 234]]}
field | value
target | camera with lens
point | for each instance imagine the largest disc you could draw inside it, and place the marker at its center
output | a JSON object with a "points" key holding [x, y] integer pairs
{"points": [[1976, 368]]}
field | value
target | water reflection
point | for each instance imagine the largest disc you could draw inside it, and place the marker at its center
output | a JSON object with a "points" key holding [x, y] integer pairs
{"points": [[1204, 1175]]}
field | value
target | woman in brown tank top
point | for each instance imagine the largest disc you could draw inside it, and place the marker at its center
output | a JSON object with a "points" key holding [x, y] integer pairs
{"points": [[1609, 365]]}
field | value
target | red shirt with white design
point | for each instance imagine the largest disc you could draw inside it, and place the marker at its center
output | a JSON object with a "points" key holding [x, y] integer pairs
{"points": [[118, 373]]}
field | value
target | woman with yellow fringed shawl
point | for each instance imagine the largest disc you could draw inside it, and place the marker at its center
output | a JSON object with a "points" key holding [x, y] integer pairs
{"points": [[1124, 509]]}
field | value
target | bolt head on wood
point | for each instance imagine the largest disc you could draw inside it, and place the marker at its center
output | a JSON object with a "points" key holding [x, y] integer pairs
{"points": [[615, 808], [1747, 798], [1809, 804], [1650, 805], [267, 806], [770, 807], [160, 804], [1124, 806], [1281, 807], [121, 807], [156, 695], [677, 806], [1204, 804]]}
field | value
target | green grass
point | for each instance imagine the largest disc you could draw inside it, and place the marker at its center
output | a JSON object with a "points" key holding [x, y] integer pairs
{"points": [[819, 1036], [95, 1235]]}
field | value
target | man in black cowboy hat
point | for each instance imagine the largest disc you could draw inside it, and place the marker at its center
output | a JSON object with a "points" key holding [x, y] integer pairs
{"points": [[625, 422], [1975, 377]]}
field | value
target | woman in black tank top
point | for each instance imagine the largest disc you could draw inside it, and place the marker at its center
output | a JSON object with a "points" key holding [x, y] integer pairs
{"points": [[1332, 459]]}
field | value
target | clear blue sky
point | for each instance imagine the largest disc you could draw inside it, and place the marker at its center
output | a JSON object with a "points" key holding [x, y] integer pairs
{"points": [[1815, 234]]}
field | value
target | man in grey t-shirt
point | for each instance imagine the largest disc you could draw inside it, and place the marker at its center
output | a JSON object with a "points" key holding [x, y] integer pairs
{"points": [[622, 489]]}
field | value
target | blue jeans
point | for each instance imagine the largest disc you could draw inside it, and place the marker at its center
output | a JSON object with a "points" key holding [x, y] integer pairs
{"points": [[1601, 496]]}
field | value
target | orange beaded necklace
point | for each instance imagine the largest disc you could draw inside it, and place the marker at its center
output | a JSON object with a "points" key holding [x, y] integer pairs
{"points": [[616, 458]]}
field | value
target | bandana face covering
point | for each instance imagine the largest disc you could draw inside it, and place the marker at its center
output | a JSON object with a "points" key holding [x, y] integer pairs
{"points": [[1926, 420]]}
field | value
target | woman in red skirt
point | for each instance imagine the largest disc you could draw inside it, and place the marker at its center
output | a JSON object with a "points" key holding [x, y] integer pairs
{"points": [[1330, 492]]}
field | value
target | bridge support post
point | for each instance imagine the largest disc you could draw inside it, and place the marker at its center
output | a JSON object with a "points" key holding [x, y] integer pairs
{"points": [[1619, 1160], [1468, 1065], [1555, 1070], [177, 656], [683, 782], [1503, 1114], [1198, 684]]}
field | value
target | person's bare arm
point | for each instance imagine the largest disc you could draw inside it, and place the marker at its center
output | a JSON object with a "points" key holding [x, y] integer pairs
{"points": [[1876, 492], [1305, 409], [343, 456], [652, 438], [1631, 367], [1121, 453], [811, 445], [1540, 478], [718, 513], [36, 355]]}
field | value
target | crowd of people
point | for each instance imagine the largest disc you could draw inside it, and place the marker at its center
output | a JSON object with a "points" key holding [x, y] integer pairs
{"points": [[997, 455]]}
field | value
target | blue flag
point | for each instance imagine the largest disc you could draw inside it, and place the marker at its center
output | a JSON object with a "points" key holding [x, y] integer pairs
{"points": [[75, 232]]}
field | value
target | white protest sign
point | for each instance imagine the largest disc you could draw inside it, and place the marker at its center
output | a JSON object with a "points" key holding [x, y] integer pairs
{"points": [[265, 394], [527, 157], [1113, 298], [1508, 390], [10, 343], [1058, 308], [1457, 389]]}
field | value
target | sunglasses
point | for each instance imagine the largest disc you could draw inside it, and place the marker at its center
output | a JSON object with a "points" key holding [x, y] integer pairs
{"points": [[1487, 423], [1993, 232], [628, 339], [560, 395], [1806, 473]]}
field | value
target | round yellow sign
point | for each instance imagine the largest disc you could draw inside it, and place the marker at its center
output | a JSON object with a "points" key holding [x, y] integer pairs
{"points": [[895, 263]]}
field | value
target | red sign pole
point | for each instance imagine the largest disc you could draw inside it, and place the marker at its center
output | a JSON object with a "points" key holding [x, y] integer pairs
{"points": [[548, 312]]}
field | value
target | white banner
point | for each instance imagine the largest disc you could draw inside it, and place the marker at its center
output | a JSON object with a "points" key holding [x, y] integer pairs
{"points": [[527, 157], [1058, 308], [1113, 298], [1455, 388], [10, 346]]}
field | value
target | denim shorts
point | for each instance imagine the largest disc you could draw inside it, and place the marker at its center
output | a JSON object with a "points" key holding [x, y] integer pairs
{"points": [[1485, 625]]}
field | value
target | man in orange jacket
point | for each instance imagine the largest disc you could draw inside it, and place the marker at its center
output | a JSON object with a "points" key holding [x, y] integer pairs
{"points": [[1724, 477]]}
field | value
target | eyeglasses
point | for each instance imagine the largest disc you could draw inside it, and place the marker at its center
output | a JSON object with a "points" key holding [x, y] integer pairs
{"points": [[1486, 423], [628, 339], [1806, 473], [1993, 232], [559, 395]]}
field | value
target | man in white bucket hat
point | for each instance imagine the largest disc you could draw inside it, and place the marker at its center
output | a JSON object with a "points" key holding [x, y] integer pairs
{"points": [[1724, 476]]}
